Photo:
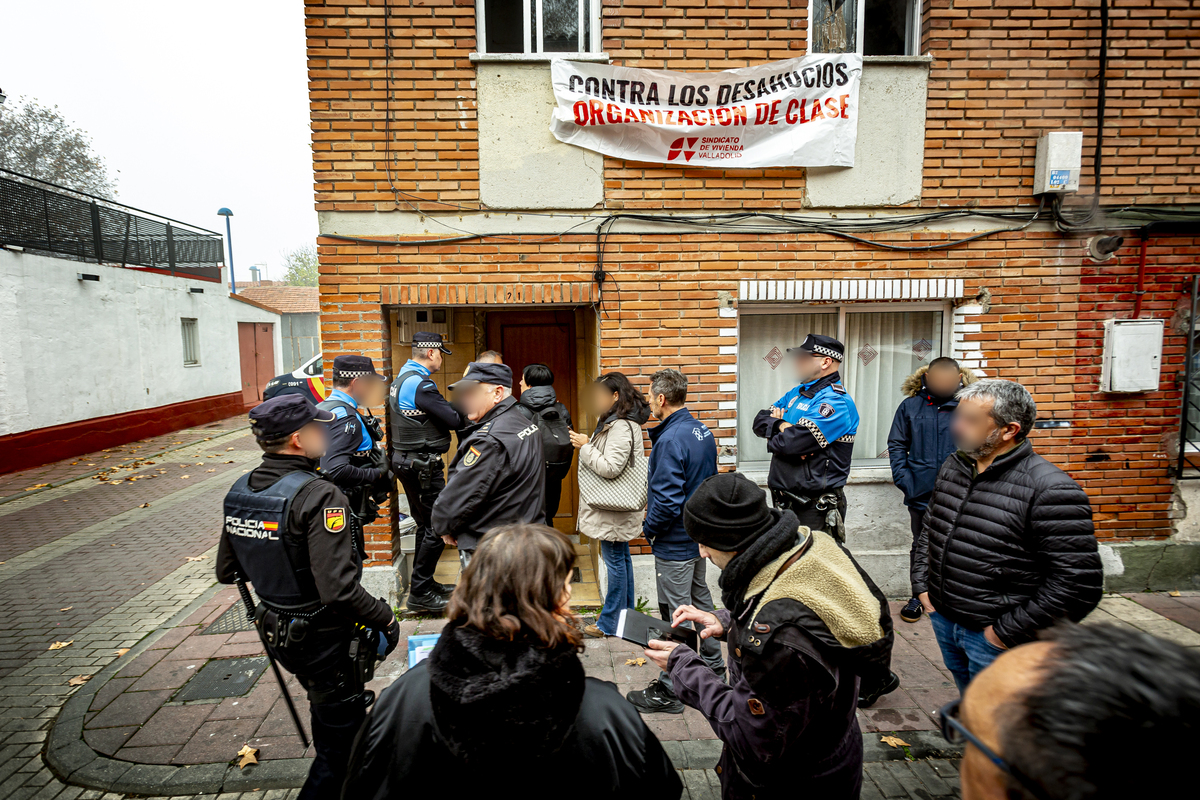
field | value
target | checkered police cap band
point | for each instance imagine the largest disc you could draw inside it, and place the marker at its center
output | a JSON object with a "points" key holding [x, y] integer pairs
{"points": [[431, 345], [826, 351], [353, 373]]}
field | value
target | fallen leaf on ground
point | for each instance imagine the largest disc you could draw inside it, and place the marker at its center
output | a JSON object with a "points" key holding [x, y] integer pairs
{"points": [[1174, 593], [61, 645], [149, 462], [198, 464], [214, 469], [79, 680], [68, 608], [227, 449], [196, 558], [184, 477], [248, 754], [144, 505], [230, 461], [37, 486], [894, 741], [122, 651], [635, 662]]}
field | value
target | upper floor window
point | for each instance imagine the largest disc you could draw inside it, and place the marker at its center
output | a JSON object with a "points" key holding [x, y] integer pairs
{"points": [[191, 341], [870, 27], [534, 27], [885, 343]]}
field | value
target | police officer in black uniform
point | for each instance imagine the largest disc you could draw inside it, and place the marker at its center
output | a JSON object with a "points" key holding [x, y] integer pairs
{"points": [[498, 475], [356, 460], [420, 425], [810, 435], [287, 532]]}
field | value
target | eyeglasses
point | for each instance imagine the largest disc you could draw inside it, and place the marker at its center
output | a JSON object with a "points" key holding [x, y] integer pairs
{"points": [[955, 732]]}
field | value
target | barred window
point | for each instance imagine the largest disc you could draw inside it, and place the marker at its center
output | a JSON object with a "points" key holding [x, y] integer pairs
{"points": [[534, 27], [191, 341], [870, 27]]}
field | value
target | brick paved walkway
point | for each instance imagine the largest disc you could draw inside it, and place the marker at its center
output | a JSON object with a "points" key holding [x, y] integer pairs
{"points": [[123, 574]]}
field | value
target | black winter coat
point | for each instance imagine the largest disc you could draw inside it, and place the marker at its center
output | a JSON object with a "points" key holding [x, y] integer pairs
{"points": [[497, 477], [488, 718], [1013, 547], [920, 441]]}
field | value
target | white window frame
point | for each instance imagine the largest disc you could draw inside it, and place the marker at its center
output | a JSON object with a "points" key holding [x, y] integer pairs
{"points": [[591, 51], [912, 46], [195, 337], [751, 308]]}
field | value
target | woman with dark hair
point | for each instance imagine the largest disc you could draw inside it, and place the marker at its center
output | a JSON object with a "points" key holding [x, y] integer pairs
{"points": [[503, 698], [621, 411]]}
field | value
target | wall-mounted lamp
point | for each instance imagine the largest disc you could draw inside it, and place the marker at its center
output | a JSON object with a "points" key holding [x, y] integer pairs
{"points": [[86, 276]]}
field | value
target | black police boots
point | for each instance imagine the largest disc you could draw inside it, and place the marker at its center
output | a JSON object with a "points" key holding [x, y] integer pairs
{"points": [[443, 589], [430, 602]]}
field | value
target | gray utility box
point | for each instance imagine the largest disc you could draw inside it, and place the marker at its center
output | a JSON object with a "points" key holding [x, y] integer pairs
{"points": [[1056, 165], [1132, 355]]}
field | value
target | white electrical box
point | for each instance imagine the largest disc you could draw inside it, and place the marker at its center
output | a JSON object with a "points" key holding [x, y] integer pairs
{"points": [[424, 320], [1132, 355], [1056, 165]]}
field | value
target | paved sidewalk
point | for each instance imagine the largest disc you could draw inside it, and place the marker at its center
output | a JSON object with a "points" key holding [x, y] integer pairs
{"points": [[107, 566]]}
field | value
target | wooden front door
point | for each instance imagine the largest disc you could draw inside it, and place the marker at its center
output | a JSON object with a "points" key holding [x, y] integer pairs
{"points": [[542, 337], [256, 354]]}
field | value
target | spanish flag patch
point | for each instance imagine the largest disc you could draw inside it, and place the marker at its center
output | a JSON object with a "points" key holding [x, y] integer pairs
{"points": [[471, 457], [335, 519]]}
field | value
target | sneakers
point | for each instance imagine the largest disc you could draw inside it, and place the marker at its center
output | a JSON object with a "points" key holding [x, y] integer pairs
{"points": [[868, 697], [655, 697], [430, 602], [912, 610]]}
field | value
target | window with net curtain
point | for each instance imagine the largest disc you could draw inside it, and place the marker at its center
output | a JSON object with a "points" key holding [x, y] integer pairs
{"points": [[882, 349]]}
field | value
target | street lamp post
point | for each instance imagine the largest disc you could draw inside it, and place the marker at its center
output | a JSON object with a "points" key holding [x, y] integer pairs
{"points": [[226, 213]]}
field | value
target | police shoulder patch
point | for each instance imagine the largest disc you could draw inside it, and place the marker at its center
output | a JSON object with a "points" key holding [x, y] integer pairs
{"points": [[825, 410], [335, 520], [471, 457]]}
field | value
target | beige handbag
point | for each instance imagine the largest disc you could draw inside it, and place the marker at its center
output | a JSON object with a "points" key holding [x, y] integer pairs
{"points": [[626, 492]]}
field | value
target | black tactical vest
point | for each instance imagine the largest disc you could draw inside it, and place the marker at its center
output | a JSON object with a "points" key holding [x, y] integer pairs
{"points": [[255, 525], [412, 430]]}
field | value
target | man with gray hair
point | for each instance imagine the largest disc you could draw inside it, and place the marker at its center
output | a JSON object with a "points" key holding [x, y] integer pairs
{"points": [[1007, 547], [683, 453]]}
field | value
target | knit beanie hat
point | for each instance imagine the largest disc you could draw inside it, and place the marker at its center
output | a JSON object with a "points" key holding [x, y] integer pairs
{"points": [[728, 512]]}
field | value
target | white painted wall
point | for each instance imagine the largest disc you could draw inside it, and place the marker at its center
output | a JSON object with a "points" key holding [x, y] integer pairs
{"points": [[73, 350]]}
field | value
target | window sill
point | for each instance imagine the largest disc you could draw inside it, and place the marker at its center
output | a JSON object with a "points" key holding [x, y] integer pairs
{"points": [[189, 366], [900, 61], [538, 58]]}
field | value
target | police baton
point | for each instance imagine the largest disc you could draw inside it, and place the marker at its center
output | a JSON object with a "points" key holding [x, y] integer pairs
{"points": [[287, 698]]}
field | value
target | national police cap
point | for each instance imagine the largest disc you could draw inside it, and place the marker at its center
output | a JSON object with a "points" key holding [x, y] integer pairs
{"points": [[285, 414], [354, 366], [497, 374], [818, 345], [430, 341]]}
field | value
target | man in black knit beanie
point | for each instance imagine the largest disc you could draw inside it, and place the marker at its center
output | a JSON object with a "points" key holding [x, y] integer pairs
{"points": [[803, 622]]}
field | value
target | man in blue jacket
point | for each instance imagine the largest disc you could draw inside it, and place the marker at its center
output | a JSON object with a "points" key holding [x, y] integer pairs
{"points": [[920, 441], [682, 454]]}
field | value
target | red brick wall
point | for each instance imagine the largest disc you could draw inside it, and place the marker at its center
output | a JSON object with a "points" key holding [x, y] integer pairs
{"points": [[1043, 327], [1003, 71]]}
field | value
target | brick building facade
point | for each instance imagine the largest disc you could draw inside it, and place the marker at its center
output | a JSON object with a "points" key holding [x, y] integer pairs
{"points": [[441, 196]]}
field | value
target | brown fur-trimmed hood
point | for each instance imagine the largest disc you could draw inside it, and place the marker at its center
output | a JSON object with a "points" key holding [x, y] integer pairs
{"points": [[912, 384]]}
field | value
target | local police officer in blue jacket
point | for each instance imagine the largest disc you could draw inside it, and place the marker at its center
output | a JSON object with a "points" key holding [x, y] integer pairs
{"points": [[286, 532], [682, 454], [356, 461], [421, 421], [810, 435]]}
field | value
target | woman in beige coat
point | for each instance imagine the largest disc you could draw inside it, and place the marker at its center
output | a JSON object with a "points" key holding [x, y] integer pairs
{"points": [[621, 411]]}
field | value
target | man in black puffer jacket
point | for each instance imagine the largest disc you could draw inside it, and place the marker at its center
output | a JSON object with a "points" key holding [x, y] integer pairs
{"points": [[1007, 547]]}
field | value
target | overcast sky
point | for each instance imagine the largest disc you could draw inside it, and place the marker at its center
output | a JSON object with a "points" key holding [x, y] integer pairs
{"points": [[193, 105]]}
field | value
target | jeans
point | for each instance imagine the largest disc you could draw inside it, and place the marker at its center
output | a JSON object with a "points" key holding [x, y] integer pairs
{"points": [[914, 519], [964, 651], [681, 583], [420, 506], [620, 593]]}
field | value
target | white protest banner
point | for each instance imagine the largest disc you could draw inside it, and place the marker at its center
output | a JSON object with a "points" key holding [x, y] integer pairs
{"points": [[802, 112]]}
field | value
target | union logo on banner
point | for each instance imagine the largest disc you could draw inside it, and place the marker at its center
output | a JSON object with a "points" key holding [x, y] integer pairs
{"points": [[774, 358]]}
